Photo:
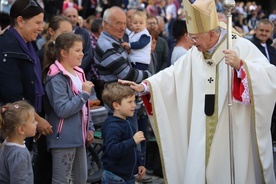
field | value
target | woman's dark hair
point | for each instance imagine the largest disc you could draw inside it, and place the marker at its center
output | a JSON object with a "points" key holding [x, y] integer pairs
{"points": [[52, 49], [25, 8], [179, 28], [55, 22]]}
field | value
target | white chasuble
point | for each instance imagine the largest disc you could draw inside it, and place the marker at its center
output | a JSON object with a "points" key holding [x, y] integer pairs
{"points": [[179, 121]]}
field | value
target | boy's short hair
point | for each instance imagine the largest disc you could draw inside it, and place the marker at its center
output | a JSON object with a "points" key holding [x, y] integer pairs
{"points": [[116, 92], [140, 13]]}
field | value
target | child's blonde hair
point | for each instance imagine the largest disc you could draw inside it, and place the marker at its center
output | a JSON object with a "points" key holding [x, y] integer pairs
{"points": [[139, 13], [116, 92], [13, 115]]}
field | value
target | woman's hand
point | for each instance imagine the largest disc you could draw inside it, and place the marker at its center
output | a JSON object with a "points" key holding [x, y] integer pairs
{"points": [[43, 126], [90, 137]]}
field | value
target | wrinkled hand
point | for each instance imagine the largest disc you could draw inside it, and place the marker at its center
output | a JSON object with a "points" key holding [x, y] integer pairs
{"points": [[141, 172], [232, 59], [137, 87], [138, 137], [87, 86], [90, 137], [43, 126]]}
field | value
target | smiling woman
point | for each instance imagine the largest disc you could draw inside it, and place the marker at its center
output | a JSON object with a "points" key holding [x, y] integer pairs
{"points": [[20, 69]]}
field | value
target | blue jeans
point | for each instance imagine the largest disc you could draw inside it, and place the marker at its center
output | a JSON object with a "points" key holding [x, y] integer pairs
{"points": [[110, 178]]}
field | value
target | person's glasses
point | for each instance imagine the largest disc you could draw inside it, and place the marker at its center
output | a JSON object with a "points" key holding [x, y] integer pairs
{"points": [[194, 38], [120, 24], [116, 24], [152, 23], [31, 3]]}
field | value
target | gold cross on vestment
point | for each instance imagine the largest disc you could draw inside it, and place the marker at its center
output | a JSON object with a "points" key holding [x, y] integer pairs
{"points": [[187, 17]]}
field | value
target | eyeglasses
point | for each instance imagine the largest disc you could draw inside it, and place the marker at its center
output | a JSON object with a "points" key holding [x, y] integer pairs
{"points": [[120, 24], [31, 3], [116, 24], [152, 23], [193, 38]]}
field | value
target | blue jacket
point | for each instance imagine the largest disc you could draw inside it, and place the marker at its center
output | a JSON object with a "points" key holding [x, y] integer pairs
{"points": [[120, 155], [17, 77]]}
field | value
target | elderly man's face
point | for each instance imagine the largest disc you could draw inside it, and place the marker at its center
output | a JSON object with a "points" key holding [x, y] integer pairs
{"points": [[116, 25], [203, 41]]}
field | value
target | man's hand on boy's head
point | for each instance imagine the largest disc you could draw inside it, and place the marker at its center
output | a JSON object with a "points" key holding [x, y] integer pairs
{"points": [[137, 87], [138, 137]]}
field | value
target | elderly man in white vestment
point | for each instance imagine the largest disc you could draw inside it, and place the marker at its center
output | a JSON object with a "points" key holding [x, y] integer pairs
{"points": [[188, 107]]}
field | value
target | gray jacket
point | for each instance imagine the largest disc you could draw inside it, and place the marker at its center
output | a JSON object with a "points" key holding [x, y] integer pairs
{"points": [[66, 112]]}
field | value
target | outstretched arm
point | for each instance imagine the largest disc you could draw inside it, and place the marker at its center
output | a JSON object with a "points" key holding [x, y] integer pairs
{"points": [[144, 91], [137, 87]]}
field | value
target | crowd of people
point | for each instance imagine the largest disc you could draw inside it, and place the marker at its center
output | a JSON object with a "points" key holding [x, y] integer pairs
{"points": [[60, 55]]}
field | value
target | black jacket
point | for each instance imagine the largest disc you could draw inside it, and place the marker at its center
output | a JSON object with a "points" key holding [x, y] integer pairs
{"points": [[17, 77], [271, 50], [272, 56]]}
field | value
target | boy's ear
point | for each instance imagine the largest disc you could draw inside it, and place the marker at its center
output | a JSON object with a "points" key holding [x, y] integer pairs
{"points": [[115, 105]]}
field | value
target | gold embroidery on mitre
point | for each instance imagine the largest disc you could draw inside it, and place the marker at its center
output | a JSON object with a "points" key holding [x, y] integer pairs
{"points": [[201, 16]]}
